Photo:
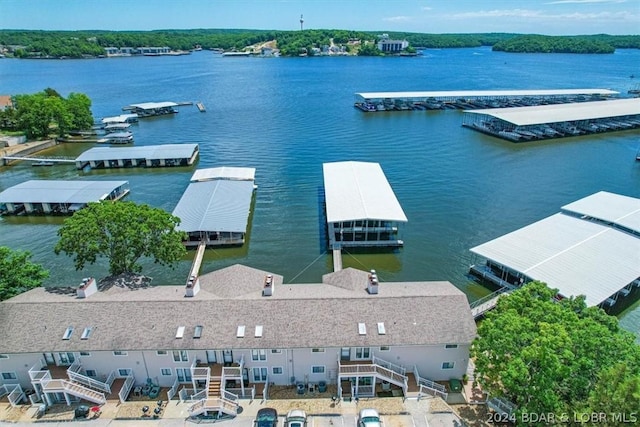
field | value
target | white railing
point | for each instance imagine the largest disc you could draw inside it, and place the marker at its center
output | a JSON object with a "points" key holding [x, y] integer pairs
{"points": [[126, 388], [88, 381], [183, 394], [173, 390], [74, 367], [371, 369], [199, 395], [16, 395], [365, 391], [428, 387], [36, 373], [54, 386], [392, 366], [110, 379], [217, 404], [501, 405], [265, 390]]}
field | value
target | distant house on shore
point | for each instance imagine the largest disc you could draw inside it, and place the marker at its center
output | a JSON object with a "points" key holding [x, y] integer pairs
{"points": [[5, 102], [385, 44]]}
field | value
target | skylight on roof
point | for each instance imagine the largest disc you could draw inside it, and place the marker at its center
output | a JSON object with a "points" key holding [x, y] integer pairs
{"points": [[180, 332], [197, 333], [381, 329], [86, 333], [67, 333], [240, 332], [362, 329], [258, 333]]}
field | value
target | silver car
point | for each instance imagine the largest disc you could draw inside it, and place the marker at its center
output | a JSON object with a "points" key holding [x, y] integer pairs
{"points": [[369, 418], [296, 418]]}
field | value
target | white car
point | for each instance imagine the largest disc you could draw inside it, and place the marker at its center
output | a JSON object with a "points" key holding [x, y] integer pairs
{"points": [[369, 418], [296, 418]]}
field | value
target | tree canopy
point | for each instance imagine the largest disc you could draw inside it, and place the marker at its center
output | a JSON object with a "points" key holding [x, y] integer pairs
{"points": [[123, 233], [555, 44], [558, 357], [17, 273], [38, 114]]}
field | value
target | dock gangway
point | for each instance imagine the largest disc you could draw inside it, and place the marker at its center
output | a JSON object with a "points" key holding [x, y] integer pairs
{"points": [[488, 302]]}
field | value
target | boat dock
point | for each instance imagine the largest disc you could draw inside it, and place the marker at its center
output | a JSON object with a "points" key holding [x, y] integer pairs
{"points": [[39, 159], [537, 123], [470, 100], [51, 197], [143, 156], [150, 109]]}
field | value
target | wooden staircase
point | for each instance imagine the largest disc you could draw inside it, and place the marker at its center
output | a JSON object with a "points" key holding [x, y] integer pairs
{"points": [[214, 388]]}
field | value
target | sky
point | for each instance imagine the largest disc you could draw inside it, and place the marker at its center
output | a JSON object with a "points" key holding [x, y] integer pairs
{"points": [[551, 17]]}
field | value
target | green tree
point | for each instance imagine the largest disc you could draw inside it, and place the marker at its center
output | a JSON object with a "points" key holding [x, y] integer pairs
{"points": [[546, 355], [617, 391], [79, 107], [369, 49], [17, 273], [122, 232]]}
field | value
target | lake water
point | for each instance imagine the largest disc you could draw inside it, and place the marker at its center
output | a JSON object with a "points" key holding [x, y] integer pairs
{"points": [[286, 116]]}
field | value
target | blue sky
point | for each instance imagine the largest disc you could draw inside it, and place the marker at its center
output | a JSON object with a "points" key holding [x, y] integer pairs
{"points": [[553, 17]]}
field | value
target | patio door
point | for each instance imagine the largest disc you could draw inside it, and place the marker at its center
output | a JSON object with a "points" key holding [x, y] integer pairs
{"points": [[66, 359], [227, 356], [48, 358], [363, 353], [259, 374], [211, 356]]}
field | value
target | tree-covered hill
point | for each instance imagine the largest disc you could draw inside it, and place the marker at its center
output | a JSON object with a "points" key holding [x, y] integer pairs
{"points": [[77, 44]]}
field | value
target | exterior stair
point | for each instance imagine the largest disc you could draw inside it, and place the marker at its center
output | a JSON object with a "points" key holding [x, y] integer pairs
{"points": [[75, 389], [214, 389]]}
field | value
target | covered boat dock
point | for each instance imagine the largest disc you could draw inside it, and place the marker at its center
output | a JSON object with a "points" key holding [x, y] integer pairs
{"points": [[216, 205], [117, 138], [591, 247], [122, 118], [146, 156], [50, 197], [362, 209], [474, 99], [149, 109], [556, 121]]}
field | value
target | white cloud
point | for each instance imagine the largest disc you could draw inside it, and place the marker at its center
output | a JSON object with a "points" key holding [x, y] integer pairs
{"points": [[400, 18], [585, 1], [426, 8]]}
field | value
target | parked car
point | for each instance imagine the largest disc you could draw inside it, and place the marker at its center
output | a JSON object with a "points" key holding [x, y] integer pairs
{"points": [[369, 418], [266, 417], [296, 418]]}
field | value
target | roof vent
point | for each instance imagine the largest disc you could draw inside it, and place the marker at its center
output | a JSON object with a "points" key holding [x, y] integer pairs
{"points": [[87, 288], [67, 333], [240, 332], [180, 332], [372, 282], [362, 329], [258, 333], [86, 333], [267, 290], [381, 330]]}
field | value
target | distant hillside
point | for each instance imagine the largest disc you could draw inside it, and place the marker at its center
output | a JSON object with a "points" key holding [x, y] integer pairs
{"points": [[77, 44]]}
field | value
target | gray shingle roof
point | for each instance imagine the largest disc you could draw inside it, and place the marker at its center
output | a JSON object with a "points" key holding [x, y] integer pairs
{"points": [[296, 316]]}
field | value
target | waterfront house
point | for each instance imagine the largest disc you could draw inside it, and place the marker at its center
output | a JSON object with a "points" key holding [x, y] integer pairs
{"points": [[235, 333], [387, 45]]}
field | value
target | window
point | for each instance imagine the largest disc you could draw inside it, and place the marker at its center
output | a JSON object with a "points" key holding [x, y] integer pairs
{"points": [[317, 350], [276, 370], [161, 352], [448, 365], [184, 375], [317, 369], [257, 355], [180, 356], [362, 352], [274, 351], [119, 353], [384, 348], [85, 354], [124, 372], [451, 346], [91, 373], [9, 376], [165, 371]]}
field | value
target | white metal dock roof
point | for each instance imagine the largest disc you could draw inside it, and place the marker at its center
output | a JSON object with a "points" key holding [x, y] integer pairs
{"points": [[574, 255], [152, 105], [488, 93], [224, 172], [151, 152], [216, 205], [59, 191], [609, 207], [122, 118], [541, 114], [358, 191]]}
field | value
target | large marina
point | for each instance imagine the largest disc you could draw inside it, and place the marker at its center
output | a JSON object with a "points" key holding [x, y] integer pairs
{"points": [[458, 187]]}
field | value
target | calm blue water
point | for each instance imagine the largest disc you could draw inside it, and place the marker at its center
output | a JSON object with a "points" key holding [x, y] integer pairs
{"points": [[286, 117]]}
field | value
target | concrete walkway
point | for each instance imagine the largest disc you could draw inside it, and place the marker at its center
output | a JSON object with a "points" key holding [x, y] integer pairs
{"points": [[427, 412]]}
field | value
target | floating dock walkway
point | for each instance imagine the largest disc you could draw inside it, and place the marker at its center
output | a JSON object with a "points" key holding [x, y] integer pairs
{"points": [[337, 259]]}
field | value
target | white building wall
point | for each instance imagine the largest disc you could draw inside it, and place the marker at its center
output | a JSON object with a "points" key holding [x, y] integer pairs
{"points": [[429, 360], [18, 364]]}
